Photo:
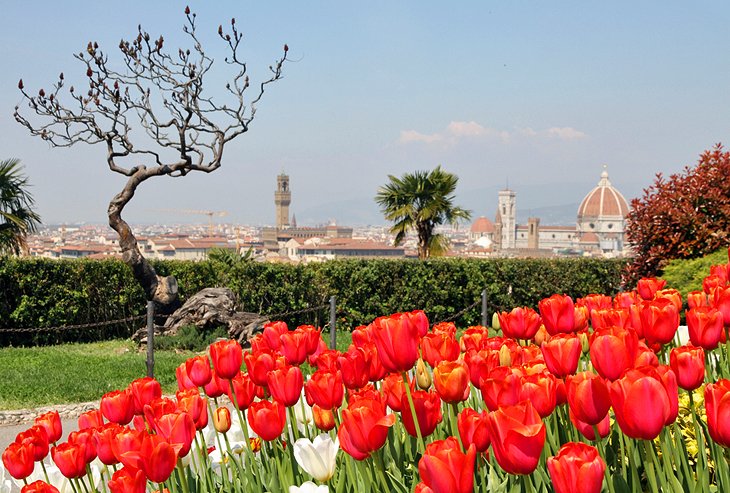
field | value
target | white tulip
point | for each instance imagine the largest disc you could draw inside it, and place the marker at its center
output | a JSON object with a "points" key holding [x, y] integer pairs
{"points": [[309, 487], [5, 483], [319, 457]]}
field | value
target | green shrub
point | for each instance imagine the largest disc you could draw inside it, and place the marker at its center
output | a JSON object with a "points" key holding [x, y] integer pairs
{"points": [[49, 293], [189, 338], [687, 275]]}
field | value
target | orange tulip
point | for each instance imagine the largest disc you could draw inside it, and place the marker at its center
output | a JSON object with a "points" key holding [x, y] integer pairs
{"points": [[446, 469], [451, 380]]}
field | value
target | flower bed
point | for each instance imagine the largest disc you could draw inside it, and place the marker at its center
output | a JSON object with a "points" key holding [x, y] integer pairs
{"points": [[585, 396]]}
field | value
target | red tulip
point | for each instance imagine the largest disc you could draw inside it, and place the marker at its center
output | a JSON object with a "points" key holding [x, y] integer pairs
{"points": [[241, 390], [51, 421], [419, 319], [267, 419], [588, 397], [364, 427], [480, 364], [589, 431], [325, 389], [216, 387], [518, 437], [577, 468], [127, 446], [393, 390], [626, 299], [696, 299], [717, 406], [313, 338], [85, 439], [641, 402], [178, 429], [648, 286], [182, 377], [36, 438], [540, 388], [144, 391], [272, 334], [70, 459], [446, 469], [192, 403], [362, 335], [326, 359], [438, 347], [259, 364], [294, 346], [705, 327], [558, 314], [158, 408], [520, 323], [227, 357], [595, 302], [502, 387], [473, 429], [688, 364], [645, 356], [127, 480], [103, 438], [118, 406], [18, 460], [158, 458], [198, 368], [90, 419], [285, 385], [562, 353], [39, 487], [720, 299], [428, 412], [712, 282], [659, 321], [613, 350], [451, 380], [396, 338], [619, 317], [353, 367], [472, 338]]}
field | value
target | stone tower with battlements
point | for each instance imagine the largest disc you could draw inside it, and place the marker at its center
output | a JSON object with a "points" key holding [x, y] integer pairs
{"points": [[282, 199]]}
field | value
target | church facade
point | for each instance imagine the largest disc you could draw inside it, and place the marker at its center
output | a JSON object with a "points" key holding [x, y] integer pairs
{"points": [[598, 231]]}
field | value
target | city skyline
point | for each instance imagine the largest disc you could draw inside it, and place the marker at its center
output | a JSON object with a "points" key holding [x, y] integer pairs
{"points": [[538, 96]]}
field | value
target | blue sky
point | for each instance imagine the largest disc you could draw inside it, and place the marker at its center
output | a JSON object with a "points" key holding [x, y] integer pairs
{"points": [[535, 94]]}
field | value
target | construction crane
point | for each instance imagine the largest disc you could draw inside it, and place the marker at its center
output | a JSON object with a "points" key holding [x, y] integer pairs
{"points": [[210, 215]]}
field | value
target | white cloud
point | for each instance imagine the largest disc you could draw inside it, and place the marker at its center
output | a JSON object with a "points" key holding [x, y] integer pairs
{"points": [[456, 132]]}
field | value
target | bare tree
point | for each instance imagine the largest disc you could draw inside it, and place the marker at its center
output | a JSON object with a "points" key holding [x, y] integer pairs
{"points": [[162, 92]]}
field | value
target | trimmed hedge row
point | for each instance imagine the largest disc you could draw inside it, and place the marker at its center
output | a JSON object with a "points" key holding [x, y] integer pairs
{"points": [[49, 293]]}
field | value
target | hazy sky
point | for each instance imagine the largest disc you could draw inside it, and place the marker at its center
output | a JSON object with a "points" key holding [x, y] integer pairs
{"points": [[537, 94]]}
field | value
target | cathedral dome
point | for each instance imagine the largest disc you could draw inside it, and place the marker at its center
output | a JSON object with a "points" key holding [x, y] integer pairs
{"points": [[604, 201], [482, 225]]}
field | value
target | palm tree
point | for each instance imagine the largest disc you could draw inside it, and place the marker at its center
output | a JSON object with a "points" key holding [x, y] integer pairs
{"points": [[17, 217], [421, 201]]}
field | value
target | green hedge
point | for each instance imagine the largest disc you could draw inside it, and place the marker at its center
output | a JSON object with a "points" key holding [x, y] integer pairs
{"points": [[48, 293]]}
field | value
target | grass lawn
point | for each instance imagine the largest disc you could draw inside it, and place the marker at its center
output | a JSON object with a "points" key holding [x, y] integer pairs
{"points": [[71, 373]]}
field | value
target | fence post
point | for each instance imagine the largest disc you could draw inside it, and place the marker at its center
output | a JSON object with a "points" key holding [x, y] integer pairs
{"points": [[484, 308], [151, 339], [333, 321]]}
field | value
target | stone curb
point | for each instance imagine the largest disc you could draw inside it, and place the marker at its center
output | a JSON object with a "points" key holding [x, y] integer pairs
{"points": [[66, 411]]}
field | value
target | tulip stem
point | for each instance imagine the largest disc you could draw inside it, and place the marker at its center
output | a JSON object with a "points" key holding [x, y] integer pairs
{"points": [[602, 451], [421, 446], [251, 460], [45, 473], [649, 465], [454, 424], [527, 484], [702, 474], [380, 469]]}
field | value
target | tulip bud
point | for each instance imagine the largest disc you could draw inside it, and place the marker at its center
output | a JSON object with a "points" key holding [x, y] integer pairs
{"points": [[495, 321], [541, 336], [505, 356], [423, 377], [585, 345], [255, 444], [222, 419]]}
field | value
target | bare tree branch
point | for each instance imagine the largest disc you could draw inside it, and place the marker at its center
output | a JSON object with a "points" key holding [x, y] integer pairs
{"points": [[161, 92]]}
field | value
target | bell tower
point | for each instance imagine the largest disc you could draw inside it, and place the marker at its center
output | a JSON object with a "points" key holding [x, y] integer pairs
{"points": [[282, 199]]}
